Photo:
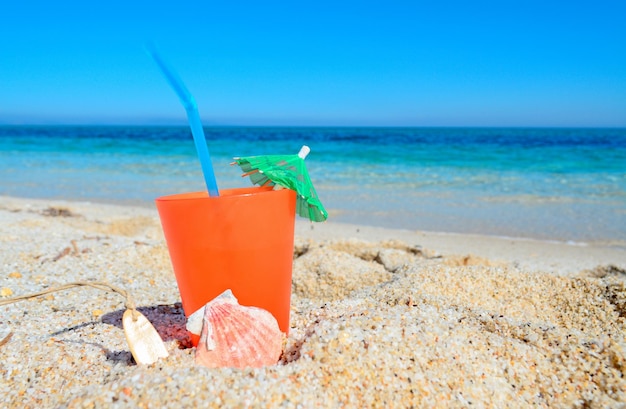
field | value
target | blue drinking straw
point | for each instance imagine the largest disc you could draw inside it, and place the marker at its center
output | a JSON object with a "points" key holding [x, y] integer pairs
{"points": [[194, 120]]}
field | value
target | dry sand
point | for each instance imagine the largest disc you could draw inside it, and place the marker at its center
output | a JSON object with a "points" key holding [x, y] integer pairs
{"points": [[380, 318]]}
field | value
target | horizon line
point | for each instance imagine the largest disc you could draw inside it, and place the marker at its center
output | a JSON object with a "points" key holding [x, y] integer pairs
{"points": [[182, 125]]}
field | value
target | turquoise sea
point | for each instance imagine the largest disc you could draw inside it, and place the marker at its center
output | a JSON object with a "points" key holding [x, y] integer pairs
{"points": [[557, 184]]}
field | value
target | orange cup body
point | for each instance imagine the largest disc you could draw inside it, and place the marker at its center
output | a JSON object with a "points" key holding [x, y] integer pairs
{"points": [[241, 240]]}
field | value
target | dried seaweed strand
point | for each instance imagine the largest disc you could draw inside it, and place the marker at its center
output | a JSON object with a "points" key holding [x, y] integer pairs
{"points": [[6, 339], [130, 304], [62, 254]]}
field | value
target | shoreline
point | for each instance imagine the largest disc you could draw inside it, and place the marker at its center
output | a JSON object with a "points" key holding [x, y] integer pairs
{"points": [[149, 206], [578, 222]]}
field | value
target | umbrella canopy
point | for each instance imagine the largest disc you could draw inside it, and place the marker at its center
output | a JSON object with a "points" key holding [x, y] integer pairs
{"points": [[288, 171]]}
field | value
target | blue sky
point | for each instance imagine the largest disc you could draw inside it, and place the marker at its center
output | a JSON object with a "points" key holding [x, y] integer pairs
{"points": [[378, 63]]}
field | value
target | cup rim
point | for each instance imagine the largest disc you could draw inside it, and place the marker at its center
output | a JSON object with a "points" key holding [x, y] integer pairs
{"points": [[224, 193]]}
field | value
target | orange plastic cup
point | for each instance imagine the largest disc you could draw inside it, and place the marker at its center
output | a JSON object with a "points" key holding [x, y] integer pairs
{"points": [[241, 240]]}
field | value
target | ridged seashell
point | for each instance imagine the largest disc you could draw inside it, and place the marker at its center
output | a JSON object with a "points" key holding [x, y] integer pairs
{"points": [[143, 339], [237, 336]]}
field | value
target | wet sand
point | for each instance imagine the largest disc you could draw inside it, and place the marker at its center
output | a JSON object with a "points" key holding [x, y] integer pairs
{"points": [[380, 318]]}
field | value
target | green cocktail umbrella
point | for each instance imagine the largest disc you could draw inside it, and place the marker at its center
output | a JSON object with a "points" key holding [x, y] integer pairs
{"points": [[288, 171]]}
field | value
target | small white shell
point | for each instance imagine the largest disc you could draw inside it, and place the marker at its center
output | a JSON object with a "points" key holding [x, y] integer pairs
{"points": [[238, 336], [194, 321], [143, 340]]}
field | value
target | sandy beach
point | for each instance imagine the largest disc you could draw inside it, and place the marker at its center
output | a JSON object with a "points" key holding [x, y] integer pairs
{"points": [[380, 318]]}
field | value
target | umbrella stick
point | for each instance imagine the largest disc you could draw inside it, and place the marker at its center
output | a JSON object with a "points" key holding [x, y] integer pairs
{"points": [[250, 173]]}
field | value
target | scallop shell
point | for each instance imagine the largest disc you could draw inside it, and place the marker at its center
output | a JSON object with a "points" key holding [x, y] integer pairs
{"points": [[237, 336], [144, 341]]}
